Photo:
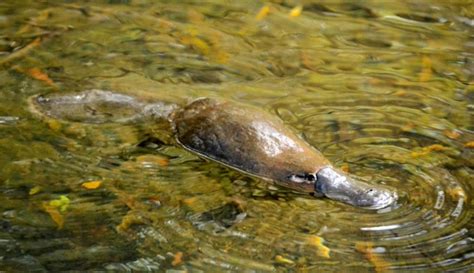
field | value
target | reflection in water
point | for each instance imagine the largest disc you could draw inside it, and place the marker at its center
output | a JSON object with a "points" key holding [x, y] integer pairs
{"points": [[275, 140], [383, 88]]}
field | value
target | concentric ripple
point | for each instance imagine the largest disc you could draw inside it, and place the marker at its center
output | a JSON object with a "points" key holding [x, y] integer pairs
{"points": [[414, 151]]}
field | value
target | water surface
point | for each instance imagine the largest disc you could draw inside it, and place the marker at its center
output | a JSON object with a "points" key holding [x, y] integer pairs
{"points": [[383, 89]]}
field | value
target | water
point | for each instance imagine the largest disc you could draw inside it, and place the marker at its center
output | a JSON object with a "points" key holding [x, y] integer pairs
{"points": [[383, 89]]}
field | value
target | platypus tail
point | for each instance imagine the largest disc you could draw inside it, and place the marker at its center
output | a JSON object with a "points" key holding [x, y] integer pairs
{"points": [[98, 106]]}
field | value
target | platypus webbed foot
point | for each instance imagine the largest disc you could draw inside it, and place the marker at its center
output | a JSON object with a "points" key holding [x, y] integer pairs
{"points": [[338, 186]]}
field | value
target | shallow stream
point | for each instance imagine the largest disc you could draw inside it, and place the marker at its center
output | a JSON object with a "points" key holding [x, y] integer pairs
{"points": [[383, 88]]}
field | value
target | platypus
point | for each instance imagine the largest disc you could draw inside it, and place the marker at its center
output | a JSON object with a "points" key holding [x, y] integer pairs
{"points": [[239, 136]]}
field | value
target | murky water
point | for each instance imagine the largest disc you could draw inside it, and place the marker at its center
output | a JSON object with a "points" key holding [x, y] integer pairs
{"points": [[383, 89]]}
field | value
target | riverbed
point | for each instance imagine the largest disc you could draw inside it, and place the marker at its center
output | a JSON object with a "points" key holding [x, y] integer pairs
{"points": [[384, 89]]}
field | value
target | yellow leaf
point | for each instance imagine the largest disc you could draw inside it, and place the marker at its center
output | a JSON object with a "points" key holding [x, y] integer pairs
{"points": [[400, 93], [322, 250], [469, 144], [54, 125], [262, 13], [426, 72], [62, 203], [197, 44], [201, 46], [129, 220], [35, 190], [296, 11], [282, 260], [456, 192], [92, 184]]}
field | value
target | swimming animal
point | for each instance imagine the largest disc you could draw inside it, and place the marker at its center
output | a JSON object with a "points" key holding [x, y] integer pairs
{"points": [[239, 136]]}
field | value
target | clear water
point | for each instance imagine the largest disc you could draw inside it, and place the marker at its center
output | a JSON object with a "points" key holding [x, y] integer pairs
{"points": [[382, 88]]}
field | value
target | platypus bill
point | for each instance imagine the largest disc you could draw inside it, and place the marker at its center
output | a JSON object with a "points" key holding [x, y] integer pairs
{"points": [[241, 137]]}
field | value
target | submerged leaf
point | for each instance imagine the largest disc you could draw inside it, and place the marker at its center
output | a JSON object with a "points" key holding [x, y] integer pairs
{"points": [[55, 215], [345, 168], [196, 43], [54, 125], [428, 149], [129, 220], [452, 134], [263, 12], [425, 74], [152, 160], [35, 190], [282, 260], [92, 184], [322, 250], [296, 11], [37, 74], [470, 144], [178, 259], [62, 203], [367, 248], [456, 192]]}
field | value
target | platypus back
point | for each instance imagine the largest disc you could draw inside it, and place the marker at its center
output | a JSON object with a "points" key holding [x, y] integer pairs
{"points": [[248, 139]]}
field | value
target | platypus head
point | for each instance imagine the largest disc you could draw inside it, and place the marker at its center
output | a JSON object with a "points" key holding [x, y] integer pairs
{"points": [[336, 185]]}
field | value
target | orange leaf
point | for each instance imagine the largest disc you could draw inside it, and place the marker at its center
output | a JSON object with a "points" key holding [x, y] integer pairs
{"points": [[345, 168], [452, 134], [366, 248], [91, 184], [178, 259], [55, 215], [190, 201], [408, 127], [37, 74], [428, 149], [436, 147], [153, 159]]}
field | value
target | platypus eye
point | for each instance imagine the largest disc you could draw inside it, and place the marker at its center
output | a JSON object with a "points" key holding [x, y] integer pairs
{"points": [[300, 178]]}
